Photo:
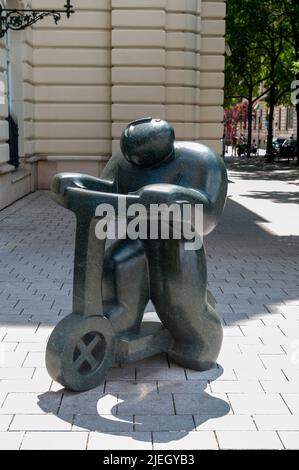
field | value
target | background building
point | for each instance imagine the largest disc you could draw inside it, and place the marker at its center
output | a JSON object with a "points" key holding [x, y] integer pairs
{"points": [[71, 88], [285, 122]]}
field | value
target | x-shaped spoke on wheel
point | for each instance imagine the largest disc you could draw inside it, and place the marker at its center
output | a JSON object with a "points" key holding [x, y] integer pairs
{"points": [[86, 353]]}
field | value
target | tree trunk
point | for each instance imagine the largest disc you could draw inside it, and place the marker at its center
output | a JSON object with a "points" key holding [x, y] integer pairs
{"points": [[270, 153], [297, 133], [249, 117], [297, 149]]}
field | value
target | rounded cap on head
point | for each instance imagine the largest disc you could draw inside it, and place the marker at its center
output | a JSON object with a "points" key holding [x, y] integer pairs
{"points": [[147, 142]]}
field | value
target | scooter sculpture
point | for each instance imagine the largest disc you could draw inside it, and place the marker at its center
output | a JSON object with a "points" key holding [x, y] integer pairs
{"points": [[113, 285]]}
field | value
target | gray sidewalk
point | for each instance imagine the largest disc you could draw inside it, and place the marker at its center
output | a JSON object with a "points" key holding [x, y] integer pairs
{"points": [[250, 401]]}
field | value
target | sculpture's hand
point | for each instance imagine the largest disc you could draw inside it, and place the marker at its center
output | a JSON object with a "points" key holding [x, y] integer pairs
{"points": [[170, 194], [64, 181]]}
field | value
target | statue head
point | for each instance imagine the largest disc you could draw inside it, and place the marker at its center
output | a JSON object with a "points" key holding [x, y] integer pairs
{"points": [[148, 142]]}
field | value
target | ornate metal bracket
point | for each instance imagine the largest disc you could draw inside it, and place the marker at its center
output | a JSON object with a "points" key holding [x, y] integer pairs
{"points": [[17, 20]]}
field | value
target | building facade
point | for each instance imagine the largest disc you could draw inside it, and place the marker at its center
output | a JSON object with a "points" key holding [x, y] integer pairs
{"points": [[285, 123], [72, 88]]}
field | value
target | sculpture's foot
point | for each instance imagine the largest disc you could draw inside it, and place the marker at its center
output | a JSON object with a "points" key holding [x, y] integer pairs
{"points": [[190, 356], [203, 349]]}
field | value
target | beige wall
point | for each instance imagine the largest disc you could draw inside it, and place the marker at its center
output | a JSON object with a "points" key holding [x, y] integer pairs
{"points": [[171, 67], [114, 61]]}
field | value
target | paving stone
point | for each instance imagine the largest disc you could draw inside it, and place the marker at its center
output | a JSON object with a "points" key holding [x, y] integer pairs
{"points": [[13, 359], [30, 347], [292, 401], [277, 423], [103, 423], [290, 439], [33, 422], [164, 423], [55, 441], [25, 385], [91, 403], [120, 441], [255, 349], [263, 332], [273, 362], [201, 404], [24, 403], [130, 387], [5, 421], [197, 440], [280, 386], [291, 372], [250, 373], [212, 374], [150, 404], [225, 423], [157, 361], [15, 373], [121, 373], [21, 335], [3, 332], [236, 386], [35, 359], [257, 403], [240, 440], [232, 331], [156, 373], [185, 387], [8, 347], [11, 440]]}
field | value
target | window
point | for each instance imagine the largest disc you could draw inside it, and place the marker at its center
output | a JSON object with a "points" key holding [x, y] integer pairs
{"points": [[290, 119], [279, 119]]}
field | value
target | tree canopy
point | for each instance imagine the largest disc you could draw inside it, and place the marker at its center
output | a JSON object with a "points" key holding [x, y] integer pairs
{"points": [[263, 39]]}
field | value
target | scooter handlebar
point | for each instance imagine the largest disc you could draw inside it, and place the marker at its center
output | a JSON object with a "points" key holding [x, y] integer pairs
{"points": [[82, 193]]}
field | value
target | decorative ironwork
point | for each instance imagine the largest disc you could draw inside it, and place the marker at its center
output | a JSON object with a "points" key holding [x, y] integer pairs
{"points": [[18, 19]]}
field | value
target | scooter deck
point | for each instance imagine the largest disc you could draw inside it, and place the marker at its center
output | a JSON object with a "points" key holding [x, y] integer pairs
{"points": [[152, 338]]}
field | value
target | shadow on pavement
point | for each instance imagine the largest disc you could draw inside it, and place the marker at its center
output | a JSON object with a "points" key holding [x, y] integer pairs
{"points": [[258, 169], [284, 197], [145, 411]]}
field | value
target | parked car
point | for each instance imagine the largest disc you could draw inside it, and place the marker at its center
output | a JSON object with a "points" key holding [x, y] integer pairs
{"points": [[277, 144], [288, 149]]}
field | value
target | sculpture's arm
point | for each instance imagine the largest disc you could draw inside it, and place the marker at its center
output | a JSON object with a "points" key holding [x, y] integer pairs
{"points": [[85, 203], [63, 181], [173, 194]]}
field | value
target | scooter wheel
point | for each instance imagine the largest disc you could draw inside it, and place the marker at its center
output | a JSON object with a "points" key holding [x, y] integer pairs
{"points": [[80, 351]]}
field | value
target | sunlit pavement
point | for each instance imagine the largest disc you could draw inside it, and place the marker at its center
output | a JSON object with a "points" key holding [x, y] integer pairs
{"points": [[249, 401]]}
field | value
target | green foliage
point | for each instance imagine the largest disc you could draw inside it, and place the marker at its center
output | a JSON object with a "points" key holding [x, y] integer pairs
{"points": [[244, 67], [263, 37], [256, 37], [295, 67]]}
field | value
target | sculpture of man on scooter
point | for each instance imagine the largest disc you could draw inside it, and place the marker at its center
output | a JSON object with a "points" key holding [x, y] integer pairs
{"points": [[113, 286]]}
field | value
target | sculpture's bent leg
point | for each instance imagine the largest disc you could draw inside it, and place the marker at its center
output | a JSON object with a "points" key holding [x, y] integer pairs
{"points": [[125, 285], [178, 291]]}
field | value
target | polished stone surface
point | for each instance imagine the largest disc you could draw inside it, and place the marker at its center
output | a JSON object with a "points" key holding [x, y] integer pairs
{"points": [[112, 287]]}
